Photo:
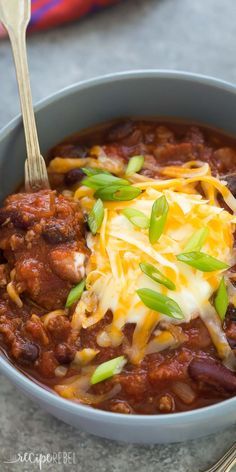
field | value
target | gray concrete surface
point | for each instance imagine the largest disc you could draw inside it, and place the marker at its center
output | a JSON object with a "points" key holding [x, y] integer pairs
{"points": [[194, 35]]}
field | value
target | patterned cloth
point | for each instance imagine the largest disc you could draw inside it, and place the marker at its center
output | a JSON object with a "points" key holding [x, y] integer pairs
{"points": [[48, 13]]}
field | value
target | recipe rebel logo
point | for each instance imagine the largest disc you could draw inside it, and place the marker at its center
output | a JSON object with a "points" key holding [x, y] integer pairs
{"points": [[40, 460]]}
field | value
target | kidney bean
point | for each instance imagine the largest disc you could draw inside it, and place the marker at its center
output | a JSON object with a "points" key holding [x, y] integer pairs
{"points": [[230, 326], [69, 150], [134, 140], [232, 343], [25, 350], [58, 232], [231, 181], [64, 353], [231, 313], [120, 131], [212, 373], [15, 217], [73, 176], [30, 352], [79, 151]]}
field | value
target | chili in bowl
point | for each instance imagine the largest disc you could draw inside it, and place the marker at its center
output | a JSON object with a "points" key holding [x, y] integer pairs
{"points": [[118, 285]]}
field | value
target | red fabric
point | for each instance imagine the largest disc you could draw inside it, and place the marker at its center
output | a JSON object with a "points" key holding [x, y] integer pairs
{"points": [[49, 13]]}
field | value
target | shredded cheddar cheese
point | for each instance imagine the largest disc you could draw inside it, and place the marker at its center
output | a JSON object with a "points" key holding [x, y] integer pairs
{"points": [[114, 274]]}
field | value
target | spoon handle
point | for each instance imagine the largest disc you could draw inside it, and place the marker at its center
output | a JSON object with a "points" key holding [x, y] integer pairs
{"points": [[15, 16], [226, 462]]}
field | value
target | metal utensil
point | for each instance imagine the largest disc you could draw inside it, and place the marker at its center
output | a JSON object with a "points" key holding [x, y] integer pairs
{"points": [[226, 462], [15, 16]]}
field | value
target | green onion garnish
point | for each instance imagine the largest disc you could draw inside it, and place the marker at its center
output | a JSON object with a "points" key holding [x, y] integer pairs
{"points": [[118, 193], [108, 369], [197, 240], [158, 219], [75, 294], [103, 180], [135, 164], [156, 275], [136, 217], [221, 300], [95, 217], [89, 171], [202, 261], [161, 303]]}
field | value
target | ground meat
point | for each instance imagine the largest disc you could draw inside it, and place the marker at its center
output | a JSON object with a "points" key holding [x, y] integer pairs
{"points": [[172, 368], [198, 335], [59, 328], [7, 331], [225, 159], [47, 364], [170, 154], [121, 407], [134, 385], [36, 330], [50, 253], [166, 403], [194, 135], [4, 274]]}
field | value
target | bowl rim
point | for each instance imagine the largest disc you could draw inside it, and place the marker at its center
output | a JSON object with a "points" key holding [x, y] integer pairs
{"points": [[41, 393], [114, 77]]}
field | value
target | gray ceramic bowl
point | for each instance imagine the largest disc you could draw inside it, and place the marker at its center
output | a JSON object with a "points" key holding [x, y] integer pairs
{"points": [[142, 93]]}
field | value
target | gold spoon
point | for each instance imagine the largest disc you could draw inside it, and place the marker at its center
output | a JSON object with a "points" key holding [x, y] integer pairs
{"points": [[15, 16]]}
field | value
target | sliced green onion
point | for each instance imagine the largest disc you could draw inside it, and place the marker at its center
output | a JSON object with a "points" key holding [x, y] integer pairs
{"points": [[159, 213], [221, 300], [95, 217], [108, 369], [89, 171], [136, 217], [197, 240], [103, 180], [75, 294], [202, 261], [135, 164], [156, 275], [117, 193], [161, 303]]}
